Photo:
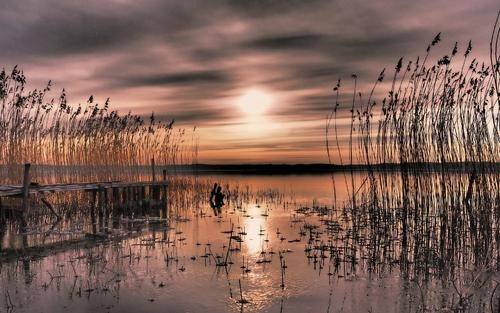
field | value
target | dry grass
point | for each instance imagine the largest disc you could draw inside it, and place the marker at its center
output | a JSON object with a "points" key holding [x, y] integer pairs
{"points": [[437, 131], [87, 142]]}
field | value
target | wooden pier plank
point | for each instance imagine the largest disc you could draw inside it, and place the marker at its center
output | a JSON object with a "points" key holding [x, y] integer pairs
{"points": [[13, 190]]}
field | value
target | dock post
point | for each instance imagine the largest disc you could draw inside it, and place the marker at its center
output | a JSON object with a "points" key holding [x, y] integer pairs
{"points": [[165, 194], [26, 193], [129, 200], [153, 179], [153, 173], [92, 211], [140, 202], [142, 197], [2, 214], [135, 200], [2, 224], [26, 186], [116, 209], [100, 206], [125, 196], [116, 198], [106, 209]]}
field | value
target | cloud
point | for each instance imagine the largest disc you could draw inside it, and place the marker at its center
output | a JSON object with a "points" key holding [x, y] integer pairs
{"points": [[189, 60], [55, 29], [265, 8], [286, 42], [180, 78]]}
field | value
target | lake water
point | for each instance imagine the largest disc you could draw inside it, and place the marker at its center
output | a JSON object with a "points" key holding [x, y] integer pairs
{"points": [[287, 251]]}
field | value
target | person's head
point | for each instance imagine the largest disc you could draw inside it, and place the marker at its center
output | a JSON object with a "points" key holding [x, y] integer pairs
{"points": [[215, 186], [219, 189]]}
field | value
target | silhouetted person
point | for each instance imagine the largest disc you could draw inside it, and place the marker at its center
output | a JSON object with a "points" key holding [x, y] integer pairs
{"points": [[216, 199], [219, 199], [212, 199]]}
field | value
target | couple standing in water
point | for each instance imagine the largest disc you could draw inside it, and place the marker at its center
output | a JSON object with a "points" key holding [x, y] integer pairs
{"points": [[216, 199]]}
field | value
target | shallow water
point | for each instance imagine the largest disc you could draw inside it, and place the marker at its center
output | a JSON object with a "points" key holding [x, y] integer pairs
{"points": [[173, 268]]}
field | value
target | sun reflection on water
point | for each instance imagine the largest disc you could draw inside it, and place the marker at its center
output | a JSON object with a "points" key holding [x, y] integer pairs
{"points": [[255, 223]]}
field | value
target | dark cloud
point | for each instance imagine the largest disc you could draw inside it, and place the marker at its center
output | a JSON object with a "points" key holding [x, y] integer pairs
{"points": [[264, 8], [191, 60], [193, 115], [181, 78], [52, 27], [286, 42], [62, 29], [321, 71], [313, 106]]}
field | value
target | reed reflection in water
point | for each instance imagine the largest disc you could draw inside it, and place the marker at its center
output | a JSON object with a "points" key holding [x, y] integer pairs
{"points": [[336, 259]]}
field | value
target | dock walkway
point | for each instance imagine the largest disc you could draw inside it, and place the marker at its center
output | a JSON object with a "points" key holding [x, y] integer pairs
{"points": [[13, 190], [119, 193]]}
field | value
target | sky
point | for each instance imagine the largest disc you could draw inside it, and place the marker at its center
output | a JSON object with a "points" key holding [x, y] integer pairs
{"points": [[254, 77]]}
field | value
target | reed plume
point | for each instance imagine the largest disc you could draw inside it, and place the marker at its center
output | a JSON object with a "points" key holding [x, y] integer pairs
{"points": [[88, 142]]}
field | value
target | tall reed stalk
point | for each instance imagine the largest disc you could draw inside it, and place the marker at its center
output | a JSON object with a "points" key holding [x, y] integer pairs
{"points": [[88, 142], [431, 149]]}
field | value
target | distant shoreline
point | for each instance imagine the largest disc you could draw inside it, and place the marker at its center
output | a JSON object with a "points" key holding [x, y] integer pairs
{"points": [[321, 168], [290, 169]]}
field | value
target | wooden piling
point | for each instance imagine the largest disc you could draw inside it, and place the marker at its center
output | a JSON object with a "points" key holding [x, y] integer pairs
{"points": [[153, 179], [142, 197], [92, 212], [153, 173], [26, 186], [50, 207], [116, 206], [165, 194], [128, 199], [2, 223], [115, 202], [101, 206], [106, 209], [2, 213], [135, 199], [2, 228]]}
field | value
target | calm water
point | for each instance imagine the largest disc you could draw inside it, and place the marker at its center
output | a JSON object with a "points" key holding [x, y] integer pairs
{"points": [[173, 268]]}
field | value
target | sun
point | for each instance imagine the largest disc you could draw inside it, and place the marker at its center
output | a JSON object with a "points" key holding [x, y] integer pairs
{"points": [[255, 102]]}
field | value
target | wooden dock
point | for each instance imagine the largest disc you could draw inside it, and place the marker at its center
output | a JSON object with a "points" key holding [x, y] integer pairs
{"points": [[105, 196], [29, 188], [17, 191], [106, 202]]}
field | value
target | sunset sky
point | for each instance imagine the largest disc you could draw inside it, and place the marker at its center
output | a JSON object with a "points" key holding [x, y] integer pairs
{"points": [[255, 77]]}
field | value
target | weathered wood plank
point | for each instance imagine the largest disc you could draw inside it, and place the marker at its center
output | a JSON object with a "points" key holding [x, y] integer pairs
{"points": [[12, 190], [26, 186]]}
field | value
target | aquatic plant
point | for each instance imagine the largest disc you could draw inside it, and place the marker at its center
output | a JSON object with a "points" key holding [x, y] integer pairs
{"points": [[430, 196], [84, 142]]}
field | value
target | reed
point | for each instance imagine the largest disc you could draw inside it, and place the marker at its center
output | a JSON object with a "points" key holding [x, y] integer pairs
{"points": [[84, 142], [431, 148]]}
